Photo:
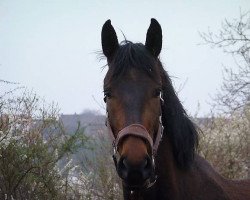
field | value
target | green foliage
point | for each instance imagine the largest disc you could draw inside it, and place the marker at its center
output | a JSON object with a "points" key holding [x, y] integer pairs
{"points": [[32, 142], [224, 142], [97, 177]]}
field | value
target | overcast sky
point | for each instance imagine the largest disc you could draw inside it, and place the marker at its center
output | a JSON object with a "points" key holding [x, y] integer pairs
{"points": [[49, 45]]}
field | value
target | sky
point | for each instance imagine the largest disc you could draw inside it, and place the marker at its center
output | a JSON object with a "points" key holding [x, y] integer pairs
{"points": [[50, 46]]}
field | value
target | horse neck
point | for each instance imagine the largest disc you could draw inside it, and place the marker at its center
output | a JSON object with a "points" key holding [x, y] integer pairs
{"points": [[200, 181], [167, 172]]}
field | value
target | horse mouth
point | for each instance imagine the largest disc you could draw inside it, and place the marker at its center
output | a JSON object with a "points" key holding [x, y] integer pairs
{"points": [[134, 187], [137, 186]]}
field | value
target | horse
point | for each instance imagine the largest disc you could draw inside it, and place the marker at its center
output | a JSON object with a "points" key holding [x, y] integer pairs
{"points": [[154, 139]]}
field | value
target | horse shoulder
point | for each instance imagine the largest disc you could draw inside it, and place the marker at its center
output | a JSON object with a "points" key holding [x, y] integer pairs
{"points": [[207, 183], [239, 189], [216, 186]]}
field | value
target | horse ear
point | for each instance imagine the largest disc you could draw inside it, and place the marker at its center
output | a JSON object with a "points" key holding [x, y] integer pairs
{"points": [[154, 38], [109, 40]]}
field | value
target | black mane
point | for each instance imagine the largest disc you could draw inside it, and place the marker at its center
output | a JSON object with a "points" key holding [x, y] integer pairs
{"points": [[177, 125]]}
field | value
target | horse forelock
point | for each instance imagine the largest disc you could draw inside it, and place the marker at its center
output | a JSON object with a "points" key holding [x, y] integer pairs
{"points": [[131, 56]]}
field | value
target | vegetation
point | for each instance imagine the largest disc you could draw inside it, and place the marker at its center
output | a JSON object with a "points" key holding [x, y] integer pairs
{"points": [[32, 142], [226, 134]]}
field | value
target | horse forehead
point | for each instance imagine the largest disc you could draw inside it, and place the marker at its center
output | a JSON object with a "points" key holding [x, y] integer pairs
{"points": [[136, 76], [133, 75]]}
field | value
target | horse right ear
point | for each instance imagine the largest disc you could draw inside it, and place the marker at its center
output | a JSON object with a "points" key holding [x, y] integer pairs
{"points": [[109, 40], [154, 38]]}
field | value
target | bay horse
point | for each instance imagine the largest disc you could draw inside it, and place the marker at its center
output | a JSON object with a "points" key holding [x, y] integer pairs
{"points": [[155, 141]]}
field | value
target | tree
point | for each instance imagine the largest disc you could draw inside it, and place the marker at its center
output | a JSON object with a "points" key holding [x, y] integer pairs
{"points": [[234, 39], [32, 142], [226, 142]]}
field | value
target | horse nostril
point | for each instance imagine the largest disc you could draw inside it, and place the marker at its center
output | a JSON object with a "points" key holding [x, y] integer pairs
{"points": [[135, 173], [144, 163], [125, 163], [147, 168], [123, 168]]}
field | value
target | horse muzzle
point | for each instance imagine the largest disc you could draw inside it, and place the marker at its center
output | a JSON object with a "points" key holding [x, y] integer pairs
{"points": [[139, 174], [135, 176]]}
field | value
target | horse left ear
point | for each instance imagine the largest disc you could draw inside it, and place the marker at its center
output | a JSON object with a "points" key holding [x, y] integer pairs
{"points": [[109, 40], [154, 38]]}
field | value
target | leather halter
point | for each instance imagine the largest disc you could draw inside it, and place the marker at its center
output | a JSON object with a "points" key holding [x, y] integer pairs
{"points": [[137, 130]]}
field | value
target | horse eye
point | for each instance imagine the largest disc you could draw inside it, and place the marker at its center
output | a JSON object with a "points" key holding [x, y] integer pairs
{"points": [[157, 92], [107, 94]]}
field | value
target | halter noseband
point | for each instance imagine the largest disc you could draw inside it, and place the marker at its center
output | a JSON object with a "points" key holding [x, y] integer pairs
{"points": [[140, 131]]}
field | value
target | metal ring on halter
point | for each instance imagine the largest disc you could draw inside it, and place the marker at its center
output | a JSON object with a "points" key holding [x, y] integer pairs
{"points": [[161, 98]]}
